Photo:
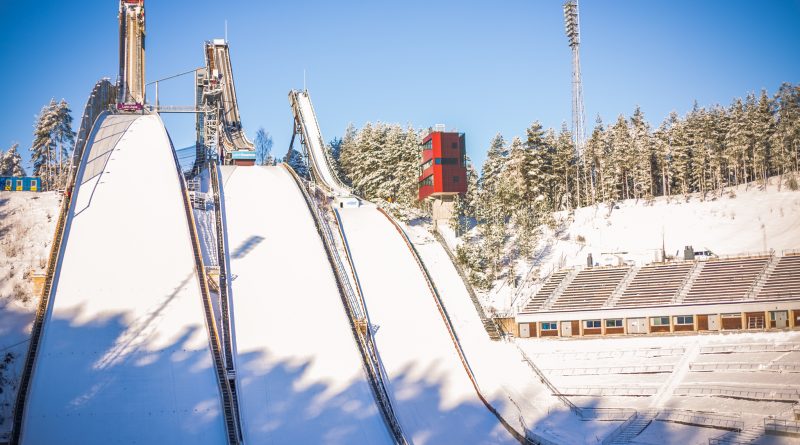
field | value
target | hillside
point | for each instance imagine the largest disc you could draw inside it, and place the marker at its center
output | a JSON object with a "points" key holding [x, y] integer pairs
{"points": [[27, 223], [745, 219]]}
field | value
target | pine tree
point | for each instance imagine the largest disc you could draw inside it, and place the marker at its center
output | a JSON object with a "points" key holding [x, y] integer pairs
{"points": [[52, 144], [563, 169], [295, 160], [11, 162]]}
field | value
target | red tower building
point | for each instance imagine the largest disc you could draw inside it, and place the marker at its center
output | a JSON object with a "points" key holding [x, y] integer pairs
{"points": [[443, 172]]}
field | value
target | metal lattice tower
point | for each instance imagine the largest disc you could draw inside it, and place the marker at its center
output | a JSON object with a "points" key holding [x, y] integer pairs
{"points": [[572, 25]]}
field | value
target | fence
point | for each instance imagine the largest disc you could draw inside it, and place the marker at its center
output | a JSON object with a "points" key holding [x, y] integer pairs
{"points": [[782, 427], [712, 420], [788, 394], [751, 347], [737, 366], [605, 370]]}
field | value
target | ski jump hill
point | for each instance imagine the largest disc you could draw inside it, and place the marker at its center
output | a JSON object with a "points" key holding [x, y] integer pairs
{"points": [[125, 351]]}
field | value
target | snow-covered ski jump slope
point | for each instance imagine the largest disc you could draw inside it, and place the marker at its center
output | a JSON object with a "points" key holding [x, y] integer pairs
{"points": [[125, 354], [433, 396], [300, 375]]}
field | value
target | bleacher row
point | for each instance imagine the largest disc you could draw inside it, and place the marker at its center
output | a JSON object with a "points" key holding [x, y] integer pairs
{"points": [[761, 277]]}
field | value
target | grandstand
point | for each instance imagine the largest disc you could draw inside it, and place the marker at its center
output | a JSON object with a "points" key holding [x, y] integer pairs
{"points": [[655, 284], [590, 289], [748, 291]]}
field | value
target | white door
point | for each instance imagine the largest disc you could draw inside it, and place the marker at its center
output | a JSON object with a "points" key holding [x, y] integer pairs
{"points": [[637, 326], [781, 319], [713, 322], [524, 330], [566, 329]]}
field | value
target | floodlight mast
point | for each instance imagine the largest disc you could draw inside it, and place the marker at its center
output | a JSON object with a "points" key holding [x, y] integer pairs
{"points": [[572, 27]]}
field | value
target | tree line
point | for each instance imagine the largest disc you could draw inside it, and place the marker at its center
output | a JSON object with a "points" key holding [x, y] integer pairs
{"points": [[707, 150]]}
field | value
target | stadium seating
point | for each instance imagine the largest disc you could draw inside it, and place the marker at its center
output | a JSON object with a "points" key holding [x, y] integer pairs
{"points": [[590, 289], [726, 280], [784, 281], [535, 303], [655, 285]]}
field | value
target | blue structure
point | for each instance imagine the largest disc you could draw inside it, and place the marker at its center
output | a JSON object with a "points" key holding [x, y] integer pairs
{"points": [[20, 183]]}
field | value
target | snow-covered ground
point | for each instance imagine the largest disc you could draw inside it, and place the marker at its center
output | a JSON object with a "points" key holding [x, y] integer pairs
{"points": [[755, 220], [27, 222], [562, 356], [432, 394], [497, 365], [125, 352], [300, 374]]}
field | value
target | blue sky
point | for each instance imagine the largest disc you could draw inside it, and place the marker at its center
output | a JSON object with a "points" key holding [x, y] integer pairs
{"points": [[480, 67]]}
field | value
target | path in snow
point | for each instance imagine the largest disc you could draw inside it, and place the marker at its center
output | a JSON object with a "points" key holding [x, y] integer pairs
{"points": [[300, 374], [125, 350]]}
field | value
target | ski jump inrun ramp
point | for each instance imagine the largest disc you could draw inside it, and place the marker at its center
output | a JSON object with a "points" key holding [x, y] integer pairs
{"points": [[125, 354]]}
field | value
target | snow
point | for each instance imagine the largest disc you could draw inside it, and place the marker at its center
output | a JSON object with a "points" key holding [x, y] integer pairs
{"points": [[125, 350], [498, 366], [756, 220], [432, 394], [579, 353], [27, 222], [300, 374]]}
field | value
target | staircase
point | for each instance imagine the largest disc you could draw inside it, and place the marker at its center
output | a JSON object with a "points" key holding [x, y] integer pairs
{"points": [[614, 297], [488, 323], [746, 436], [629, 431], [680, 295], [560, 289], [762, 277]]}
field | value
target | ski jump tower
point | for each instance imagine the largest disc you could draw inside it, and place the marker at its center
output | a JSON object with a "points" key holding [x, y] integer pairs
{"points": [[572, 25], [131, 55]]}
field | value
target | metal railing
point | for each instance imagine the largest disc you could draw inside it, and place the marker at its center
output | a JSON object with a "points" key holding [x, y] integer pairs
{"points": [[782, 426], [356, 315], [785, 393], [745, 366], [751, 347], [712, 420], [102, 96], [543, 378], [611, 437], [229, 399], [605, 370]]}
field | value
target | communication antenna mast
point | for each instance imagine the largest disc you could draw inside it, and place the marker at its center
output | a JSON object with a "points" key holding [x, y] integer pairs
{"points": [[572, 25]]}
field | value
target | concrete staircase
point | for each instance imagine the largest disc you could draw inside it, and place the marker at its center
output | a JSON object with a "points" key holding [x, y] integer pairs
{"points": [[560, 289], [680, 295], [762, 277], [747, 435], [628, 432], [614, 297]]}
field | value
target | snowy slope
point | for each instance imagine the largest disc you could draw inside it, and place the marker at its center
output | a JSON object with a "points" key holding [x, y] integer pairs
{"points": [[433, 396], [498, 366], [300, 374], [125, 356], [754, 221], [27, 223]]}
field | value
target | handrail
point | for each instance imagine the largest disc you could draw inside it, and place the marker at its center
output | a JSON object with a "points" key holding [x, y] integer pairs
{"points": [[543, 378], [227, 336], [369, 357], [228, 399], [523, 439], [611, 437], [103, 94]]}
